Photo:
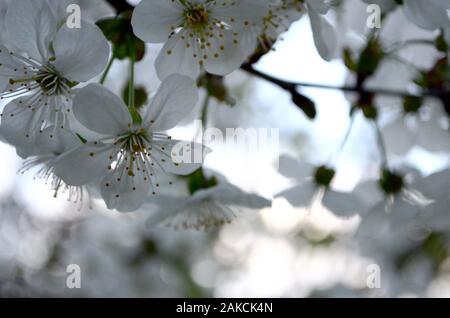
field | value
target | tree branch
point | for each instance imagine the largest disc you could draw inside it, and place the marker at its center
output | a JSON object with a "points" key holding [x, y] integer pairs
{"points": [[292, 86]]}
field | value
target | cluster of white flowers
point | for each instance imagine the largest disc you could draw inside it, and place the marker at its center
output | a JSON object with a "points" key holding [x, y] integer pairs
{"points": [[218, 36], [46, 67], [46, 74]]}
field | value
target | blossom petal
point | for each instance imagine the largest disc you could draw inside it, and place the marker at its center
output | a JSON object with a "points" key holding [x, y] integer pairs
{"points": [[324, 35], [225, 54], [31, 27], [386, 5], [429, 15], [319, 6], [300, 195], [343, 204], [205, 208], [20, 125], [291, 168], [84, 164], [399, 138], [232, 195], [55, 140], [124, 193], [241, 13], [179, 55], [7, 65], [80, 53], [178, 157], [175, 99], [434, 186], [101, 111], [153, 20]]}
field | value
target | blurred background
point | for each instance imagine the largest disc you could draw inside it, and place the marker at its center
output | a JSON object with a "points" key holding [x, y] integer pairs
{"points": [[279, 251]]}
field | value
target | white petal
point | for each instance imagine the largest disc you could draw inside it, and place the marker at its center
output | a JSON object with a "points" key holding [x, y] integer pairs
{"points": [[175, 99], [291, 168], [320, 6], [435, 185], [386, 5], [59, 8], [343, 204], [241, 13], [20, 125], [124, 193], [178, 157], [248, 40], [7, 66], [200, 211], [300, 195], [101, 111], [84, 164], [439, 220], [399, 138], [232, 195], [430, 14], [31, 27], [81, 54], [432, 137], [55, 140], [177, 58], [153, 19], [324, 34], [225, 55], [369, 192]]}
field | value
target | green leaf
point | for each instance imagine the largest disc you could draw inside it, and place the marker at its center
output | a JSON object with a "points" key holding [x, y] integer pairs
{"points": [[198, 181], [119, 32]]}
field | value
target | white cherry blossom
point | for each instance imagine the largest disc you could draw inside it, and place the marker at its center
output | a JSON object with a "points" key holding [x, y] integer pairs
{"points": [[52, 142], [303, 194], [128, 157], [281, 14], [205, 208], [41, 60], [198, 34]]}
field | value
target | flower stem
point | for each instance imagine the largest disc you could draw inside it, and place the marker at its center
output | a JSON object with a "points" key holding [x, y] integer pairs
{"points": [[381, 146], [204, 117], [137, 119], [338, 151], [131, 101], [106, 72]]}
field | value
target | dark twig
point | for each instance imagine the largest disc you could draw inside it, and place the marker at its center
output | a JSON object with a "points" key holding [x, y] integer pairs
{"points": [[292, 86]]}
